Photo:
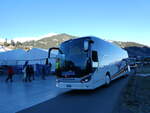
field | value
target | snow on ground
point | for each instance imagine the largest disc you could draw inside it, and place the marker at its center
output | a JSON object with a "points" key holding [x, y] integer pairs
{"points": [[20, 95]]}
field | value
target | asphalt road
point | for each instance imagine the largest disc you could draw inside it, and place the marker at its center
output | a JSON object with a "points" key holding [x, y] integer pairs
{"points": [[101, 100]]}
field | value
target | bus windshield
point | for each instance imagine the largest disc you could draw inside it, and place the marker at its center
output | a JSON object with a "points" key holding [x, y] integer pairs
{"points": [[75, 62], [74, 47]]}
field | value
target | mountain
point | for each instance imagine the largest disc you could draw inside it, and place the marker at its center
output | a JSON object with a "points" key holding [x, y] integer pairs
{"points": [[133, 49], [128, 44], [48, 42]]}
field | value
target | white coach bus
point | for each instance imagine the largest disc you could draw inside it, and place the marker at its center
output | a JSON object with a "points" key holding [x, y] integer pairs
{"points": [[89, 62]]}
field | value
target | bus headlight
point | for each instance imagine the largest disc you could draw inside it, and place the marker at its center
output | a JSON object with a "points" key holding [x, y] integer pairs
{"points": [[87, 79]]}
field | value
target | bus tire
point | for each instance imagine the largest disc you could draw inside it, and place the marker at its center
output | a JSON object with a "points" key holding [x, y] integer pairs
{"points": [[108, 80]]}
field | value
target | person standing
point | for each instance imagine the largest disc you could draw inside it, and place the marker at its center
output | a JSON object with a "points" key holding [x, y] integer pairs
{"points": [[10, 73], [28, 76], [35, 73], [57, 70], [24, 70], [24, 73], [49, 68], [43, 72], [31, 72]]}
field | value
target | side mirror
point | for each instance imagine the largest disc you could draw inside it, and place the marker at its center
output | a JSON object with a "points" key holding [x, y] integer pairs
{"points": [[54, 48], [86, 45], [95, 63]]}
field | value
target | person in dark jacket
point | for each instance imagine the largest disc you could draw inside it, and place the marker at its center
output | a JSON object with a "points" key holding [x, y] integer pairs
{"points": [[31, 72], [49, 68], [43, 72], [24, 70], [28, 75], [10, 73]]}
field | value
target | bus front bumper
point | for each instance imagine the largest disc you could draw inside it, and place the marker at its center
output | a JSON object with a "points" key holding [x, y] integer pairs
{"points": [[74, 85]]}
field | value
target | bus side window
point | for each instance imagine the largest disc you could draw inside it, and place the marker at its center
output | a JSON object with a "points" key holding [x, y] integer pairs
{"points": [[94, 56]]}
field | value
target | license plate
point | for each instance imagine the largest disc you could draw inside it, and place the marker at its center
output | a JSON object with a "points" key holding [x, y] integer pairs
{"points": [[68, 86]]}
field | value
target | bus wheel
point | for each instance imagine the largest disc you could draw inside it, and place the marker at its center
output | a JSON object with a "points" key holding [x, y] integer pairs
{"points": [[108, 79]]}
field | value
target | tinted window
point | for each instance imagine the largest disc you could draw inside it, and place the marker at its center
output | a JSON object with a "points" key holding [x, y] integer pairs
{"points": [[74, 47], [75, 56]]}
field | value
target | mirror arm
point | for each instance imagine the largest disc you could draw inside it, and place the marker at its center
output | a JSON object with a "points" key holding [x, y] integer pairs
{"points": [[53, 48]]}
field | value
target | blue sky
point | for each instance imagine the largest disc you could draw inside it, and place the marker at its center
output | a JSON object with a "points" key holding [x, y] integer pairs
{"points": [[124, 20]]}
